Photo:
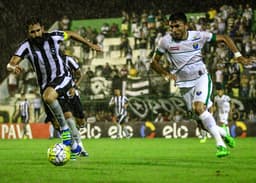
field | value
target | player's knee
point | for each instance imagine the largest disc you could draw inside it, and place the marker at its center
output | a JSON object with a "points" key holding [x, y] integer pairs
{"points": [[68, 115], [50, 95], [199, 108]]}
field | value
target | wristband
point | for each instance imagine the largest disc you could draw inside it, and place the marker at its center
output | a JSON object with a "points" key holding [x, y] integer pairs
{"points": [[10, 67], [237, 54]]}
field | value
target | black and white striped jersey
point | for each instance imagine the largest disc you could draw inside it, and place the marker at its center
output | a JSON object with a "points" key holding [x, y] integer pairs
{"points": [[71, 65], [45, 59], [119, 103], [24, 108]]}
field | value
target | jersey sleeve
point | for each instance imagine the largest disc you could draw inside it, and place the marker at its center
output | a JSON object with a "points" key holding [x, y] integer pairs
{"points": [[161, 47], [72, 63], [59, 35], [23, 50], [208, 36]]}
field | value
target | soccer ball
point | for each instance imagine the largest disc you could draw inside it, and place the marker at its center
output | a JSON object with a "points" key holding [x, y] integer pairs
{"points": [[58, 154]]}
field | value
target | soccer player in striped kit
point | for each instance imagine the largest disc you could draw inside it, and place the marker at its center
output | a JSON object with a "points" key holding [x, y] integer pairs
{"points": [[42, 50], [24, 113], [183, 49], [120, 104]]}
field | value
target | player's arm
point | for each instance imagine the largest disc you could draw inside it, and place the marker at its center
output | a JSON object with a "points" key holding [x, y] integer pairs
{"points": [[79, 76], [77, 37], [155, 65], [13, 66], [231, 45]]}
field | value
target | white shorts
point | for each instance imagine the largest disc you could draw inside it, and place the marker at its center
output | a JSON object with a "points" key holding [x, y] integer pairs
{"points": [[223, 117], [201, 92]]}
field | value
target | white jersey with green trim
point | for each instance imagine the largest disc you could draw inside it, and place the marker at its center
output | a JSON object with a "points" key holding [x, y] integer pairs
{"points": [[223, 103], [186, 56]]}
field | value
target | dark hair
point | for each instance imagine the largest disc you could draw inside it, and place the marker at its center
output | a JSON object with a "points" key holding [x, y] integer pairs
{"points": [[33, 20], [178, 16]]}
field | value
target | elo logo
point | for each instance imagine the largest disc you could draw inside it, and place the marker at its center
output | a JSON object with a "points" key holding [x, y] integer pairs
{"points": [[148, 130]]}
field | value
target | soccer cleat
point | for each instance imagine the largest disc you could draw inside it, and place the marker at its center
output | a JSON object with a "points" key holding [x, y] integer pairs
{"points": [[222, 151], [84, 154], [203, 140], [230, 141], [66, 137]]}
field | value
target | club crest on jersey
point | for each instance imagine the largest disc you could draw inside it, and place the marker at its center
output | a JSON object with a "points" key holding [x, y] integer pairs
{"points": [[195, 46], [198, 93]]}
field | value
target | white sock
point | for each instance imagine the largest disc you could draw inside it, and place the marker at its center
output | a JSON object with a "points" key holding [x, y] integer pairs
{"points": [[51, 130], [74, 131], [74, 145], [210, 124], [203, 133], [222, 131], [58, 113], [81, 145]]}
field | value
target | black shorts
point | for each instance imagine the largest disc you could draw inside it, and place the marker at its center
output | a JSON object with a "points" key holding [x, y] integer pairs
{"points": [[25, 119], [73, 105]]}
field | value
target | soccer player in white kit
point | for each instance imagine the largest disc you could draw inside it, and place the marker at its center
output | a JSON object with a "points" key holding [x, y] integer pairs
{"points": [[222, 104], [184, 51]]}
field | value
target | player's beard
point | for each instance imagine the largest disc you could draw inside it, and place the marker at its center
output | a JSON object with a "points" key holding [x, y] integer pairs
{"points": [[38, 41]]}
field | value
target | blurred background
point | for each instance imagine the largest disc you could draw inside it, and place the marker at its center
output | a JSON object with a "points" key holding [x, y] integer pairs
{"points": [[128, 31]]}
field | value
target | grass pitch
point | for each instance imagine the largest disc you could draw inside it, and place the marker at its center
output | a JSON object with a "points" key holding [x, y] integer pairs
{"points": [[135, 160]]}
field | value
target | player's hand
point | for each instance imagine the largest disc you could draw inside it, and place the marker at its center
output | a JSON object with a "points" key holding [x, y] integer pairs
{"points": [[244, 60], [17, 69]]}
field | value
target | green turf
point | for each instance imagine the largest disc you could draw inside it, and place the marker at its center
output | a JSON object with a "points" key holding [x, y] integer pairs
{"points": [[133, 160]]}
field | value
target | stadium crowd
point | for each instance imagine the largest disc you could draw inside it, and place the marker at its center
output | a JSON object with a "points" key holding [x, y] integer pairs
{"points": [[146, 27]]}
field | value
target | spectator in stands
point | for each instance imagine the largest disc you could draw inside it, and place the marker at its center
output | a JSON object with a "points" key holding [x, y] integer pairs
{"points": [[219, 76], [12, 82], [244, 86], [114, 30], [233, 83], [37, 103], [89, 73], [143, 45], [159, 18], [251, 116], [159, 118], [134, 22], [252, 86], [137, 35], [124, 72], [124, 44], [106, 72], [151, 21], [100, 42], [115, 70], [105, 29], [64, 23], [128, 56], [125, 22], [177, 117], [143, 17]]}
